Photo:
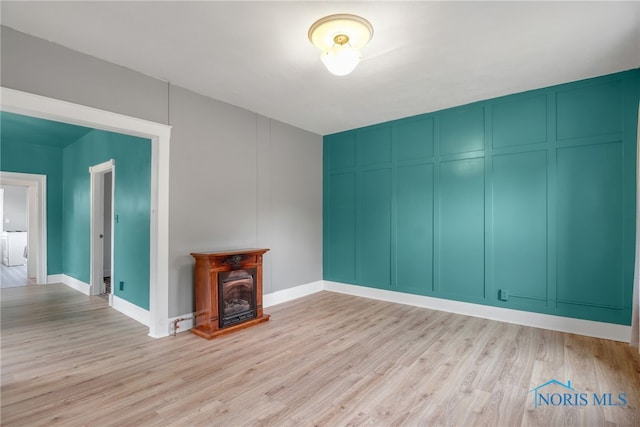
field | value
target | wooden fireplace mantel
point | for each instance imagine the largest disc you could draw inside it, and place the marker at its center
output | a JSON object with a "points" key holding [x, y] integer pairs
{"points": [[209, 266]]}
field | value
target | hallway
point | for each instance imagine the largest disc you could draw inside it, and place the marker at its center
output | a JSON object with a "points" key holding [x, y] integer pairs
{"points": [[11, 277]]}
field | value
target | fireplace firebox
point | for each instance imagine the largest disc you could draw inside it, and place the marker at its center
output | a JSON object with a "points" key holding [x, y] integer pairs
{"points": [[228, 291], [237, 296]]}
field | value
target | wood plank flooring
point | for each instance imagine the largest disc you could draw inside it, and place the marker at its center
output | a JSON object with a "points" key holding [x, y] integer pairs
{"points": [[14, 276], [326, 359]]}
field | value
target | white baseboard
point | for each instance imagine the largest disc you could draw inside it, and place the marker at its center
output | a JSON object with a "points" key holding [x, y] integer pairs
{"points": [[55, 278], [186, 321], [181, 323], [296, 292], [537, 320], [125, 307], [588, 328], [131, 310], [71, 282]]}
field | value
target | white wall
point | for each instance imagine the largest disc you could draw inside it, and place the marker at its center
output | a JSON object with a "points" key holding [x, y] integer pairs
{"points": [[237, 179]]}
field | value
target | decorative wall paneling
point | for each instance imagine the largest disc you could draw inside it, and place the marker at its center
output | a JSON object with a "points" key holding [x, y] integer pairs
{"points": [[524, 202]]}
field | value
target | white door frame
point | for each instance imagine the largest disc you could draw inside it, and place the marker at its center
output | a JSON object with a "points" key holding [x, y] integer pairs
{"points": [[97, 226], [43, 107], [36, 218]]}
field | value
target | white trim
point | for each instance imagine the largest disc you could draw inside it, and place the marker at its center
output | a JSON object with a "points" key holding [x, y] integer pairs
{"points": [[131, 310], [290, 294], [97, 224], [268, 300], [102, 167], [73, 283], [53, 109], [39, 215], [159, 241], [588, 328], [136, 313], [184, 323], [55, 278]]}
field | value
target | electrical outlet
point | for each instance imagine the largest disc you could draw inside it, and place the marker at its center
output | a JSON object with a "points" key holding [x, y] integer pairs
{"points": [[122, 286], [503, 295]]}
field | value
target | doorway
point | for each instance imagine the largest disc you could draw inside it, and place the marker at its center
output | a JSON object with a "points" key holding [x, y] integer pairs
{"points": [[102, 209], [14, 241], [53, 109], [36, 225], [107, 246]]}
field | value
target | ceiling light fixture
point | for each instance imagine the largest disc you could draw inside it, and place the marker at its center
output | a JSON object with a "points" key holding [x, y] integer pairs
{"points": [[340, 38]]}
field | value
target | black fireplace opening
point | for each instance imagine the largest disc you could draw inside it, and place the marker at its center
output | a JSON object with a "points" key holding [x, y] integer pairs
{"points": [[237, 292]]}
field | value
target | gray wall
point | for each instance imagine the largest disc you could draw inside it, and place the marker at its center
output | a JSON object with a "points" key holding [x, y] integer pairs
{"points": [[15, 208], [36, 66], [237, 179]]}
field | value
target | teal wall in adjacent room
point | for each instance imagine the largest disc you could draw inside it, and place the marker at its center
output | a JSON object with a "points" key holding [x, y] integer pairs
{"points": [[531, 194], [132, 205], [16, 156], [66, 165]]}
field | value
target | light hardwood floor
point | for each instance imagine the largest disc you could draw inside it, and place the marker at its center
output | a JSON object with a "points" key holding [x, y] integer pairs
{"points": [[14, 276], [326, 359]]}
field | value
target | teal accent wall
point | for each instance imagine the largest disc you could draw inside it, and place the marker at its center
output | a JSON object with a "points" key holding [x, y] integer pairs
{"points": [[66, 165], [132, 192], [532, 194], [16, 156]]}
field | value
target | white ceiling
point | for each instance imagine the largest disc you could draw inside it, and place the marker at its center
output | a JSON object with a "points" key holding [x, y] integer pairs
{"points": [[424, 56]]}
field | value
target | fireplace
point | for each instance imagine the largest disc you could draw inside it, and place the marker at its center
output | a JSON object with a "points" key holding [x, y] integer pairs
{"points": [[228, 291], [237, 296]]}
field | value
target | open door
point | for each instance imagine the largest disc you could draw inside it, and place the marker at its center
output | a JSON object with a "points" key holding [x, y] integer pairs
{"points": [[102, 179], [107, 248]]}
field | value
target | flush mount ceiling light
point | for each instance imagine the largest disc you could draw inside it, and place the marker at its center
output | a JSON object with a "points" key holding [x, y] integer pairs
{"points": [[340, 38]]}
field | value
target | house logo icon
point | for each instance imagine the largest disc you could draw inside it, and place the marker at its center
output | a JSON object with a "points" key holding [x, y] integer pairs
{"points": [[539, 397], [557, 393]]}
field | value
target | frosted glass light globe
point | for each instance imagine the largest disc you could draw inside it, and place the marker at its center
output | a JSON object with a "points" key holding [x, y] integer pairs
{"points": [[340, 38], [341, 59]]}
